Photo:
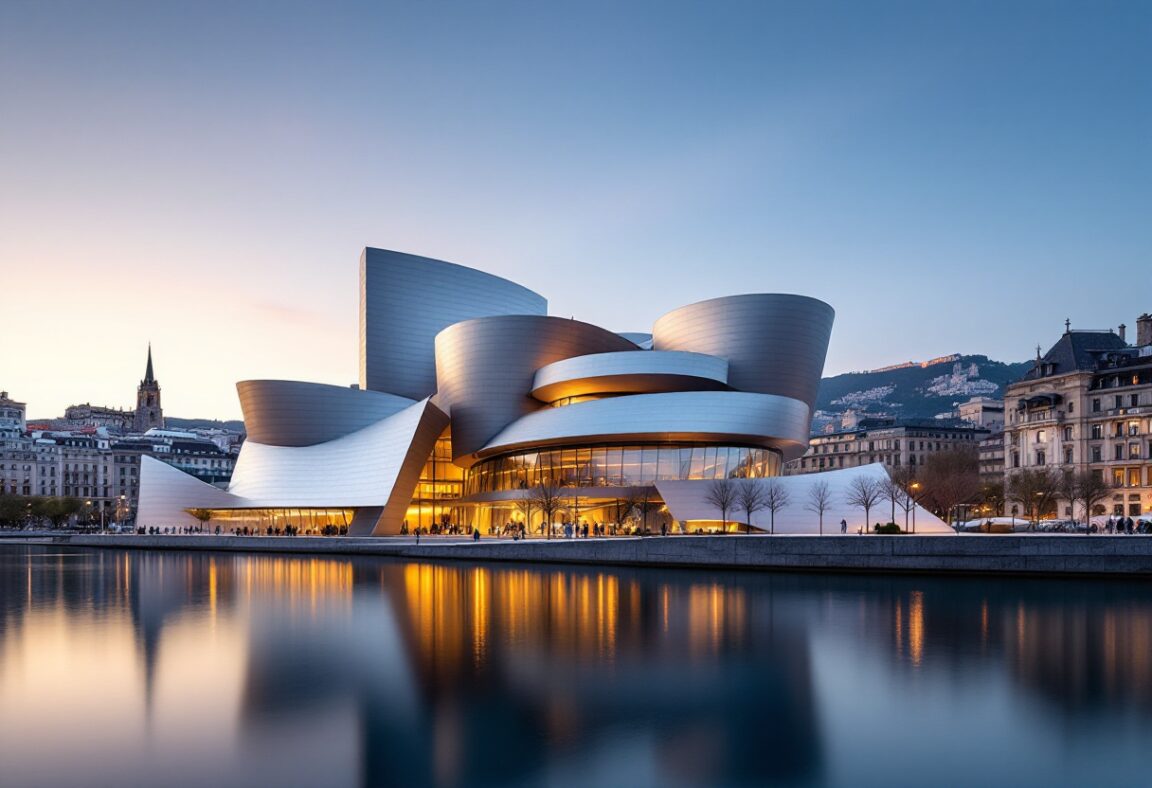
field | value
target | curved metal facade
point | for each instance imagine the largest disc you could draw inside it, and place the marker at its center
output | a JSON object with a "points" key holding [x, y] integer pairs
{"points": [[485, 369], [705, 416], [294, 413], [774, 343], [166, 493], [629, 372], [730, 384], [406, 300]]}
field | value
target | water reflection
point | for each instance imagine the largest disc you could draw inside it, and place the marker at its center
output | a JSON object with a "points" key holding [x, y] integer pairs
{"points": [[149, 668]]}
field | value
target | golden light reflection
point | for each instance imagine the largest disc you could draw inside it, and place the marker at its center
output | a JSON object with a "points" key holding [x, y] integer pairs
{"points": [[714, 613], [299, 583], [916, 627]]}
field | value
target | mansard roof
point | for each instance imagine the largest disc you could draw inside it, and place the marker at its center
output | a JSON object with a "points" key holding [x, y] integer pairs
{"points": [[1075, 351]]}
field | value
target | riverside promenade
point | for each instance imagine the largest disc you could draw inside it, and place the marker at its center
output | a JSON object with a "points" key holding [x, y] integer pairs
{"points": [[1038, 554]]}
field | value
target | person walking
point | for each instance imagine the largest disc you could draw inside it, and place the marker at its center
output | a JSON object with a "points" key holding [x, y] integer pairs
{"points": [[843, 526]]}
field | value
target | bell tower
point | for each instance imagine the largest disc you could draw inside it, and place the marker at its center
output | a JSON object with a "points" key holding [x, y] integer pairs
{"points": [[149, 414]]}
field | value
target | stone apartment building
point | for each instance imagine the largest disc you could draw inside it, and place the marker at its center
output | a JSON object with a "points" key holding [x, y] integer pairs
{"points": [[1087, 404], [894, 443]]}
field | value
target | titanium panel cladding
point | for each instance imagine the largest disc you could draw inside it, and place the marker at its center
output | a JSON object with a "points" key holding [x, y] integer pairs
{"points": [[699, 416], [775, 343], [294, 413], [406, 300], [485, 369]]}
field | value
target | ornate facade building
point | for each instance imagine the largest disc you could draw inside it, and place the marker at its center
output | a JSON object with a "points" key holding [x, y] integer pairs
{"points": [[1086, 404]]}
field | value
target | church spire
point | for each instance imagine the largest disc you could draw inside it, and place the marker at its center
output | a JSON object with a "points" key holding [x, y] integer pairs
{"points": [[148, 411], [148, 377]]}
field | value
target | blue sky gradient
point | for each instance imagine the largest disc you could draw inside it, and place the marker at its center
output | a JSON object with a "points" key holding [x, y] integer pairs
{"points": [[951, 177]]}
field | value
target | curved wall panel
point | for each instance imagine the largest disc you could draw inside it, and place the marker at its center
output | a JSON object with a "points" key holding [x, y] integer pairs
{"points": [[294, 413], [697, 416], [629, 372], [377, 466], [774, 343], [405, 300], [485, 368], [166, 493]]}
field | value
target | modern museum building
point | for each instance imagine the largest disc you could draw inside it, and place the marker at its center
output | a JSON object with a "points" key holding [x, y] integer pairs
{"points": [[472, 398]]}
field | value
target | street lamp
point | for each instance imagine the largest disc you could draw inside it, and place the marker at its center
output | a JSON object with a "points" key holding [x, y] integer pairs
{"points": [[915, 486]]}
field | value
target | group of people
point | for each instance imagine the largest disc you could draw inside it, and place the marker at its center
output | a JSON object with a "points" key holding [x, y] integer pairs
{"points": [[437, 529], [286, 530], [1125, 525]]}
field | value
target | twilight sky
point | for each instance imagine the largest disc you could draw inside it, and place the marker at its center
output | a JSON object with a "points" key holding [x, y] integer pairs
{"points": [[951, 177]]}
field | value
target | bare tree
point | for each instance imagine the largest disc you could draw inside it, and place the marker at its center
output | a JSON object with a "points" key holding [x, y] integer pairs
{"points": [[865, 493], [525, 504], [750, 497], [547, 497], [1088, 488], [776, 497], [905, 477], [894, 493], [1035, 489], [631, 499], [722, 494], [1067, 490], [819, 500], [951, 479]]}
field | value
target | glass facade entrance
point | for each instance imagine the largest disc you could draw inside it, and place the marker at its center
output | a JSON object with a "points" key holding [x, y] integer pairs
{"points": [[619, 466]]}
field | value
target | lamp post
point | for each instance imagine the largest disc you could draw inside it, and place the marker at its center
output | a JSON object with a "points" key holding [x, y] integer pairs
{"points": [[915, 486]]}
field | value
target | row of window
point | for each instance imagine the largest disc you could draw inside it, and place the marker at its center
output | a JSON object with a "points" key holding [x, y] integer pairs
{"points": [[1118, 401], [862, 459], [884, 445]]}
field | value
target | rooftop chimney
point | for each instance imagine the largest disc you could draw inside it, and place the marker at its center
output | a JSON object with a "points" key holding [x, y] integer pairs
{"points": [[1123, 328], [1144, 330]]}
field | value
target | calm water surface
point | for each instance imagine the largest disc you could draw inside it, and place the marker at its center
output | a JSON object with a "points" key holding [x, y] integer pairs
{"points": [[137, 668]]}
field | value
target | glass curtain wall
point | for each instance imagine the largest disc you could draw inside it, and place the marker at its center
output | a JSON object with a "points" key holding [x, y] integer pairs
{"points": [[441, 482], [620, 466]]}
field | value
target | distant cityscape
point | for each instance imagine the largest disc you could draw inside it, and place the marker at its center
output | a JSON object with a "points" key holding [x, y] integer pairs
{"points": [[92, 453]]}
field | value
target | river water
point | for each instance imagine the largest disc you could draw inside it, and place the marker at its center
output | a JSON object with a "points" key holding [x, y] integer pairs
{"points": [[191, 669]]}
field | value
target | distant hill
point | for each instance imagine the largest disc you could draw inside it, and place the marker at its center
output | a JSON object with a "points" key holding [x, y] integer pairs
{"points": [[918, 390], [173, 423]]}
